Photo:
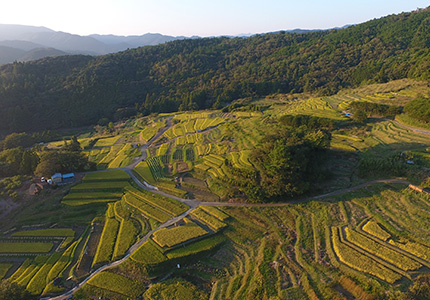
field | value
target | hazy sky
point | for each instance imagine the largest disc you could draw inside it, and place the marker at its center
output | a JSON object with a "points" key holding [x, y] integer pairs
{"points": [[196, 17]]}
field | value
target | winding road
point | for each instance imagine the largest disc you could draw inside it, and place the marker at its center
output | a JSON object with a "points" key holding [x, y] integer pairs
{"points": [[193, 204]]}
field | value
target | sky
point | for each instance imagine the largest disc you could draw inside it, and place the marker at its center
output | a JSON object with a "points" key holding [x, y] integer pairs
{"points": [[196, 17]]}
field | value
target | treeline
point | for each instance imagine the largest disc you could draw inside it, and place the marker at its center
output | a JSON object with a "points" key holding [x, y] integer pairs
{"points": [[371, 108], [211, 72]]}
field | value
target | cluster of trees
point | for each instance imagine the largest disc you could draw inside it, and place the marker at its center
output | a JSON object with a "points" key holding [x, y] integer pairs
{"points": [[371, 108], [210, 72], [17, 158], [287, 162], [419, 109], [311, 122]]}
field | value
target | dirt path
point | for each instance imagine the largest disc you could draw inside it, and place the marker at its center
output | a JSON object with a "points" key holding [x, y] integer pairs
{"points": [[307, 198], [419, 130]]}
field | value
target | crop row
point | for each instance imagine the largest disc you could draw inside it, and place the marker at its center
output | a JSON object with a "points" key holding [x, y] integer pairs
{"points": [[177, 154], [162, 150], [416, 249], [144, 172], [203, 149], [148, 254], [360, 262], [164, 203], [38, 281], [127, 234], [210, 220], [147, 209], [124, 157], [215, 212], [155, 167], [23, 247], [111, 154], [403, 262], [64, 261], [374, 229], [196, 247], [107, 141], [107, 241], [77, 195], [113, 175], [51, 232], [114, 186], [169, 237]]}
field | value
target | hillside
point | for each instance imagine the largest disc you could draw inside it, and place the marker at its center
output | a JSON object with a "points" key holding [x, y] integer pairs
{"points": [[201, 73], [228, 204]]}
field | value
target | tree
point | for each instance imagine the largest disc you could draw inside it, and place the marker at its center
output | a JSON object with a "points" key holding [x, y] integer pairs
{"points": [[359, 116], [74, 145], [12, 291], [111, 126]]}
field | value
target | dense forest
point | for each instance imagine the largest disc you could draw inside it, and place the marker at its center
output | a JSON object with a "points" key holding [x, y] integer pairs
{"points": [[210, 72]]}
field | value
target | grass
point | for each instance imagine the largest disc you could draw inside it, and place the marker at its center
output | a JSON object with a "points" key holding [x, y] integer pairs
{"points": [[25, 247], [107, 242], [144, 172], [147, 209], [127, 234], [148, 254], [181, 289], [118, 284], [208, 219], [51, 232], [196, 247], [4, 267], [173, 236]]}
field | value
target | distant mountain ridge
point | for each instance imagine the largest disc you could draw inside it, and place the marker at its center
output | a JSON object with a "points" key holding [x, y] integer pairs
{"points": [[19, 42]]}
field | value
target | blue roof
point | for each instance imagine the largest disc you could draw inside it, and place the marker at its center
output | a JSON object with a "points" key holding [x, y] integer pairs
{"points": [[69, 175], [56, 175]]}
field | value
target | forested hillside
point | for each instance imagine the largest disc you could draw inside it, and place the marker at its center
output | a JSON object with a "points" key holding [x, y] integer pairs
{"points": [[202, 73]]}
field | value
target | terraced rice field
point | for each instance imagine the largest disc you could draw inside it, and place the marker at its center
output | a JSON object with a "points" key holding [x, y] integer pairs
{"points": [[296, 249]]}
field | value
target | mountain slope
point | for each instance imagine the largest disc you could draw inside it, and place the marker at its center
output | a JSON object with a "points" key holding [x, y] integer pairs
{"points": [[8, 54], [198, 73]]}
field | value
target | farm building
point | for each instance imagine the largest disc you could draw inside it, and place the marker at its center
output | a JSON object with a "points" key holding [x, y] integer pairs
{"points": [[69, 177], [57, 178]]}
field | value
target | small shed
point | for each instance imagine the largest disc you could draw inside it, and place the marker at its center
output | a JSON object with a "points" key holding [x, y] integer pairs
{"points": [[57, 178], [69, 177]]}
